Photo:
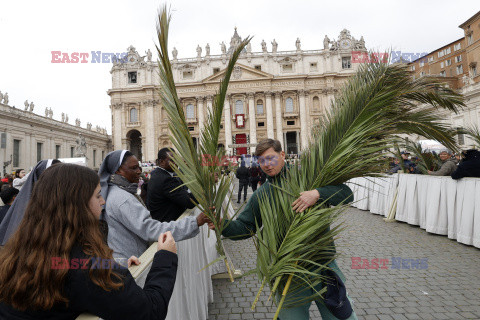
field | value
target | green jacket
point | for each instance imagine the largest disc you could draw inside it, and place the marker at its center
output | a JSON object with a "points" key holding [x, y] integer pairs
{"points": [[244, 226]]}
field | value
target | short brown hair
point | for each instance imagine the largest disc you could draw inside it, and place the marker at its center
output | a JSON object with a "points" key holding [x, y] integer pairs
{"points": [[266, 144]]}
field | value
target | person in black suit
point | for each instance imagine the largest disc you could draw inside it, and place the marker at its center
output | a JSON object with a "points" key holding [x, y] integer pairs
{"points": [[469, 166], [243, 176], [165, 199], [254, 176]]}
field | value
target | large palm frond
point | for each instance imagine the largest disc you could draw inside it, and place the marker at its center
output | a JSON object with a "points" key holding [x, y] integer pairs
{"points": [[474, 133], [198, 171], [375, 106]]}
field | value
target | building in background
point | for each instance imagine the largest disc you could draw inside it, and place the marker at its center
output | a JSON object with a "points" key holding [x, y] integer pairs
{"points": [[26, 138], [456, 65], [272, 94]]}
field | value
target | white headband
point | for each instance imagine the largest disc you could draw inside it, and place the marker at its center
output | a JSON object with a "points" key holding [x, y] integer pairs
{"points": [[121, 157]]}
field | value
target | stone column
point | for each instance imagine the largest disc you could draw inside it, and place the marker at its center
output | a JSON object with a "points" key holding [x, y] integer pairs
{"points": [[117, 124], [143, 149], [200, 115], [252, 120], [268, 98], [279, 118], [209, 105], [66, 149], [330, 98], [125, 144], [26, 156], [228, 126], [303, 119], [324, 107], [53, 148], [8, 152], [33, 150], [148, 149]]}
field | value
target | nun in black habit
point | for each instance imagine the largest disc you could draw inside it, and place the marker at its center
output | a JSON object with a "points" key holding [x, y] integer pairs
{"points": [[15, 214]]}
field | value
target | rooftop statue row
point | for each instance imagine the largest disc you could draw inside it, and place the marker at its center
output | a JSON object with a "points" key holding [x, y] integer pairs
{"points": [[344, 41], [30, 106]]}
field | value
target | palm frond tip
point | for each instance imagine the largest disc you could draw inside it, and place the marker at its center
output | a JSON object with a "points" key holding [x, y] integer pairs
{"points": [[199, 178]]}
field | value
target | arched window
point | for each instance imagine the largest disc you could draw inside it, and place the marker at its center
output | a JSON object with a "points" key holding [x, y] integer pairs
{"points": [[316, 103], [289, 105], [133, 115], [259, 106], [190, 114], [239, 107]]}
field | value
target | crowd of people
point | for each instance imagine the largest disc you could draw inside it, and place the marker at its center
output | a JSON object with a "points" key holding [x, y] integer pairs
{"points": [[466, 164], [61, 215], [72, 213]]}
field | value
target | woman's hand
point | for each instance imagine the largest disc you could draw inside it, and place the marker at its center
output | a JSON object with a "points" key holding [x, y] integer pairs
{"points": [[133, 260], [166, 242]]}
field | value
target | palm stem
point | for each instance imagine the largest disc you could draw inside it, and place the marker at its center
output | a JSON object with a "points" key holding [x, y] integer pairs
{"points": [[259, 292], [284, 294]]}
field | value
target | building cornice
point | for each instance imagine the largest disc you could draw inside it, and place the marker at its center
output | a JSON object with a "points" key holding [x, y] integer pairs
{"points": [[35, 120], [470, 20]]}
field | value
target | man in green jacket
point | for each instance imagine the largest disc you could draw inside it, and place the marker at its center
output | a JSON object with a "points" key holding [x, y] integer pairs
{"points": [[272, 162]]}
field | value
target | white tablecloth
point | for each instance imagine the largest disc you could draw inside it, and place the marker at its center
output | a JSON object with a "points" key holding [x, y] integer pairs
{"points": [[439, 205], [374, 193]]}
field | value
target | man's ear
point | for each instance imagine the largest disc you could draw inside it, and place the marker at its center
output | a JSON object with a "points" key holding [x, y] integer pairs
{"points": [[282, 154]]}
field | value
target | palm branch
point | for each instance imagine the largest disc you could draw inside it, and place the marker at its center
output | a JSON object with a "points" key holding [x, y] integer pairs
{"points": [[474, 133], [375, 106], [427, 161], [198, 170]]}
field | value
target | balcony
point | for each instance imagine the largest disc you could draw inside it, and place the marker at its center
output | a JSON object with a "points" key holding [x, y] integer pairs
{"points": [[290, 115], [133, 124]]}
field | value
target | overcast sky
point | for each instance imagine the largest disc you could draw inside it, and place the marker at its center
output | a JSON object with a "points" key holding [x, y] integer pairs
{"points": [[30, 30]]}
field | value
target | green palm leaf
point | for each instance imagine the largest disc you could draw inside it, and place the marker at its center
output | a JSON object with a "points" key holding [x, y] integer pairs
{"points": [[197, 170], [426, 160], [375, 106], [474, 133]]}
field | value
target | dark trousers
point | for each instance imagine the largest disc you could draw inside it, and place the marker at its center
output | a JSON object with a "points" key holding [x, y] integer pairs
{"points": [[244, 186], [254, 185]]}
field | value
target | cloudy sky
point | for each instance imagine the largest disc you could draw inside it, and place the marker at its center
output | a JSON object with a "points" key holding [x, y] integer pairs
{"points": [[31, 30]]}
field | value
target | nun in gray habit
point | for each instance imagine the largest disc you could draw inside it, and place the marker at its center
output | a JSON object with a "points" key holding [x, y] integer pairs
{"points": [[15, 214], [131, 228]]}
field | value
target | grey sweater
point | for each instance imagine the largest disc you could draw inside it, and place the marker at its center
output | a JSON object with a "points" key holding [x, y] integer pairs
{"points": [[447, 168], [131, 229]]}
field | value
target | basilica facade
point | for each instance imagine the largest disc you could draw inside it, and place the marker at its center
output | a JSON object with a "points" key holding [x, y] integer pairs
{"points": [[272, 94]]}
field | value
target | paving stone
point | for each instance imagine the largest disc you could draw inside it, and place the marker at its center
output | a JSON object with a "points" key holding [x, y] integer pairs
{"points": [[439, 292]]}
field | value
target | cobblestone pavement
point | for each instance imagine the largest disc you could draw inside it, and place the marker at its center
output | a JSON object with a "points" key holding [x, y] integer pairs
{"points": [[448, 289]]}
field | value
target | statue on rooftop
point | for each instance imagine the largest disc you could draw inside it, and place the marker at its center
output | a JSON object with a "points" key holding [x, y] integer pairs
{"points": [[274, 46], [264, 46]]}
